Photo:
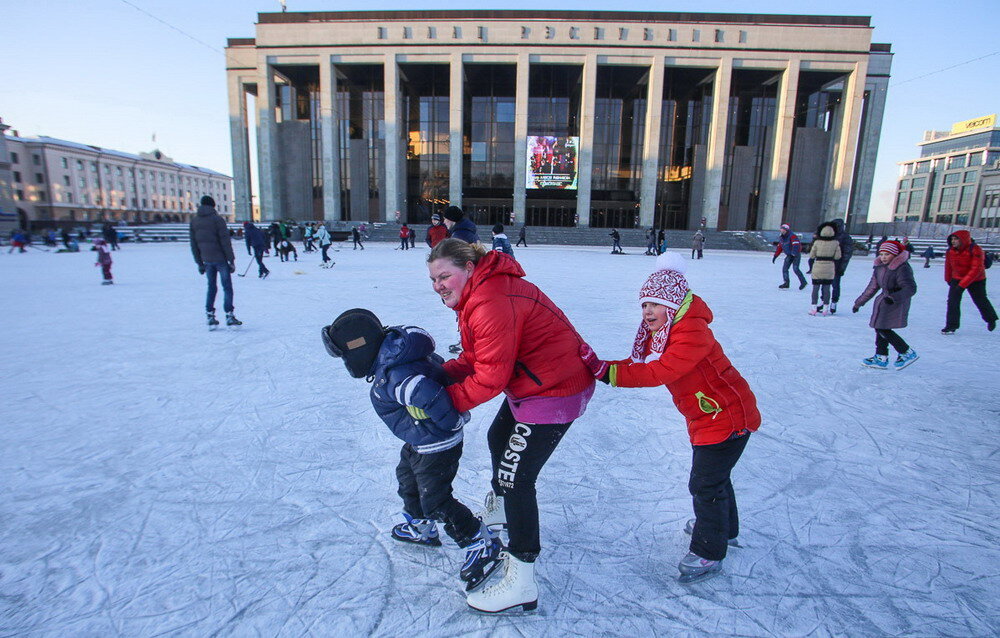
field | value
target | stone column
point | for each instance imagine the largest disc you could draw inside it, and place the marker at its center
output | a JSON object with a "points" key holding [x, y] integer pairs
{"points": [[847, 146], [329, 139], [585, 153], [456, 99], [394, 149], [268, 189], [651, 143], [774, 201], [521, 135], [717, 143], [240, 143]]}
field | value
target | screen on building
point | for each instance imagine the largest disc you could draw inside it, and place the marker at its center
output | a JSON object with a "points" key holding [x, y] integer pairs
{"points": [[552, 162]]}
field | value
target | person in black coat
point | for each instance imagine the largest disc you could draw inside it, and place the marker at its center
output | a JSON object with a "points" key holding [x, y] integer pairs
{"points": [[213, 252], [256, 245], [846, 252], [616, 242], [110, 235]]}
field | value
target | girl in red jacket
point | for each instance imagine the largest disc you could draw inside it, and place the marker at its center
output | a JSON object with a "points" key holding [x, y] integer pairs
{"points": [[675, 348], [965, 268]]}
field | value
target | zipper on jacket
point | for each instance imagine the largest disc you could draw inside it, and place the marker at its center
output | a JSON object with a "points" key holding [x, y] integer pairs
{"points": [[518, 364]]}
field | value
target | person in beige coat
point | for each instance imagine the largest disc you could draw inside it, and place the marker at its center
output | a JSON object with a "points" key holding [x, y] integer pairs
{"points": [[825, 251]]}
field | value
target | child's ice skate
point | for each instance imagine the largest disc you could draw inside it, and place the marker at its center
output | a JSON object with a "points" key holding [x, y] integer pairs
{"points": [[213, 323], [816, 310], [517, 588], [493, 514], [689, 529], [482, 557], [905, 359], [695, 569], [419, 531], [879, 362]]}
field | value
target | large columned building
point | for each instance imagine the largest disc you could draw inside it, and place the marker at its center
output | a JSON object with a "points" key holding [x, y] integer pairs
{"points": [[557, 118]]}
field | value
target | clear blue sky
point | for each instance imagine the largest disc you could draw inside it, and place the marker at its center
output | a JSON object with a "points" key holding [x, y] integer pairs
{"points": [[102, 72]]}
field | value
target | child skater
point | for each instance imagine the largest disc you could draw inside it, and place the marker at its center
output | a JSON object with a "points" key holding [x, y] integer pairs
{"points": [[825, 252], [103, 260], [408, 395], [894, 276], [675, 348]]}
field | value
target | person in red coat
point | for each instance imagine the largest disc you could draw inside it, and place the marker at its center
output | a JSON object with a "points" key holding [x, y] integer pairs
{"points": [[515, 340], [437, 231], [404, 237], [965, 268], [674, 347]]}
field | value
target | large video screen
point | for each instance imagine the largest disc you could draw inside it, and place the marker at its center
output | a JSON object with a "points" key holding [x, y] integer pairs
{"points": [[552, 162]]}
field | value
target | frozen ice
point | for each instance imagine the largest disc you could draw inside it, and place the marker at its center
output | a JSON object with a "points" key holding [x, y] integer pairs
{"points": [[161, 479]]}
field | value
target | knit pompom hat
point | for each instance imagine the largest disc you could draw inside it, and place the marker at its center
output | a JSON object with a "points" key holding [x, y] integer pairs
{"points": [[892, 247], [668, 287]]}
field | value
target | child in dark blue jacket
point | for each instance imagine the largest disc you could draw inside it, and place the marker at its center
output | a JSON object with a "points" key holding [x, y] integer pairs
{"points": [[408, 395]]}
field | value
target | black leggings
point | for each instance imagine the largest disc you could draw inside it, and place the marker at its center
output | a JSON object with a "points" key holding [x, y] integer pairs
{"points": [[519, 450], [883, 337]]}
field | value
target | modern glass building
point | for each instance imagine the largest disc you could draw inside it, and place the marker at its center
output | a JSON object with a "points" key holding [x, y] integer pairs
{"points": [[557, 118], [945, 182]]}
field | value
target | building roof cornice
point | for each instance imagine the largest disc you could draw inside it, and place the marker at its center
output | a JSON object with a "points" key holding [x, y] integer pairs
{"points": [[519, 14]]}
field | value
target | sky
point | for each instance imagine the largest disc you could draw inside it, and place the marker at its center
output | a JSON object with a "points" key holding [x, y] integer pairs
{"points": [[114, 73]]}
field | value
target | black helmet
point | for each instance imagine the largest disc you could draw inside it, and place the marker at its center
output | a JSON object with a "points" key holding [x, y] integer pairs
{"points": [[355, 336]]}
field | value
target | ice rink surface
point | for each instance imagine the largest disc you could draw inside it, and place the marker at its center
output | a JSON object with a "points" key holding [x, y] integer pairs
{"points": [[159, 479]]}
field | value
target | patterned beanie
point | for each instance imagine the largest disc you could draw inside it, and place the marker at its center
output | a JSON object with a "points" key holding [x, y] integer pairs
{"points": [[785, 227], [892, 247], [665, 286]]}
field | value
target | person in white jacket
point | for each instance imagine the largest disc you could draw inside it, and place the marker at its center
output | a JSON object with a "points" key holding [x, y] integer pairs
{"points": [[323, 237]]}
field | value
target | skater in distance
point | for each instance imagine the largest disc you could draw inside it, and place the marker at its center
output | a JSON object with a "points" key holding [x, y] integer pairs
{"points": [[675, 348], [213, 252], [789, 244], [515, 341]]}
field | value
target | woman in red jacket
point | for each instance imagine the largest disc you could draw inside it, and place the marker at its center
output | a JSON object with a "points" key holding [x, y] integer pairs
{"points": [[965, 268], [515, 341], [675, 348]]}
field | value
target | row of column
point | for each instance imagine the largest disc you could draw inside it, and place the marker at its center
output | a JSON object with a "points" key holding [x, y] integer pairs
{"points": [[837, 191]]}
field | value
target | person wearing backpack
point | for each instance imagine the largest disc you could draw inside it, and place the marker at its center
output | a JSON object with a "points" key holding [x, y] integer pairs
{"points": [[965, 268]]}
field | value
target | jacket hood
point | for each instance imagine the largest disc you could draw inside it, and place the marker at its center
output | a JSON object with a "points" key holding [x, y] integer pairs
{"points": [[838, 225], [698, 308], [403, 344], [964, 239], [897, 261], [492, 264], [827, 230], [499, 235], [205, 211]]}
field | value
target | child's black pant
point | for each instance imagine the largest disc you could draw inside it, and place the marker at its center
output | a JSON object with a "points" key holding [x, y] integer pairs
{"points": [[884, 337], [425, 487], [519, 450], [716, 518]]}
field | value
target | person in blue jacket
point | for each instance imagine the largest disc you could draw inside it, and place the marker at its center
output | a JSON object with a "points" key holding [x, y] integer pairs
{"points": [[408, 394], [500, 241], [460, 226], [256, 245], [789, 244]]}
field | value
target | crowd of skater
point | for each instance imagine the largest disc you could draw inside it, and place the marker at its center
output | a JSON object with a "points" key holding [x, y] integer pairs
{"points": [[515, 341]]}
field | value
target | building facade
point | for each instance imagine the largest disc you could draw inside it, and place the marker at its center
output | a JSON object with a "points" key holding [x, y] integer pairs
{"points": [[8, 209], [946, 183], [58, 181], [557, 118]]}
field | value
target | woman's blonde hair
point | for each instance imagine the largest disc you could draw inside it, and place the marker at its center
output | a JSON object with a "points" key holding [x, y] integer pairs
{"points": [[457, 252]]}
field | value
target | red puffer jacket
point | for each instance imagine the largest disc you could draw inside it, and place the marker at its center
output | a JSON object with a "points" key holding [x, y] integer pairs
{"points": [[514, 340], [965, 263], [714, 399]]}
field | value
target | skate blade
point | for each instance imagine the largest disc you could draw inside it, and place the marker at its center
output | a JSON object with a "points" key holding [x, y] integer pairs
{"points": [[415, 543], [690, 579], [478, 580], [514, 610]]}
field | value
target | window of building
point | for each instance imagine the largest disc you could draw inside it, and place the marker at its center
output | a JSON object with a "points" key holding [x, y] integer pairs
{"points": [[574, 33], [456, 33], [916, 202], [937, 164], [958, 161], [923, 167], [107, 169], [79, 165], [42, 197], [482, 33], [93, 167], [647, 34], [13, 158], [86, 198], [904, 184], [19, 194], [68, 197], [918, 182], [118, 171], [943, 219], [968, 196], [671, 35], [64, 161], [952, 178], [407, 33], [17, 177], [131, 172], [743, 37], [36, 159], [66, 181], [383, 33], [962, 219], [39, 178], [143, 203], [696, 35], [970, 176], [948, 197], [81, 182], [976, 159], [622, 33], [720, 35], [598, 33], [900, 204], [992, 157]]}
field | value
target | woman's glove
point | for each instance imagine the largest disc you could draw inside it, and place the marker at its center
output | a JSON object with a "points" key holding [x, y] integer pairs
{"points": [[598, 367], [855, 308]]}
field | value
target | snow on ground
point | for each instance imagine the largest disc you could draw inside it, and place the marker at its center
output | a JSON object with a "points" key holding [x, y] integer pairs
{"points": [[159, 479]]}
